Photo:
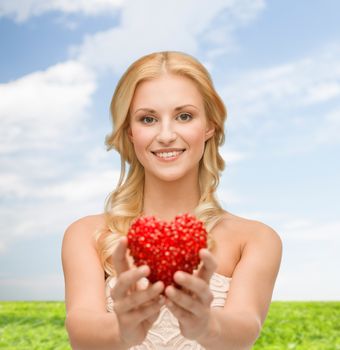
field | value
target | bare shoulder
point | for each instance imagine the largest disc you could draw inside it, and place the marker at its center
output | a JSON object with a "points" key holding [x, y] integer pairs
{"points": [[254, 272], [82, 266], [85, 227], [237, 237], [247, 230], [260, 244], [90, 221]]}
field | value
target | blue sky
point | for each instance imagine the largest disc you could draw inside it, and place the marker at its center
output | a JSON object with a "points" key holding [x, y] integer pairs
{"points": [[276, 64]]}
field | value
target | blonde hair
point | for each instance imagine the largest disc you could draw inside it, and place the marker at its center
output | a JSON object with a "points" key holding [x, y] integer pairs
{"points": [[125, 203]]}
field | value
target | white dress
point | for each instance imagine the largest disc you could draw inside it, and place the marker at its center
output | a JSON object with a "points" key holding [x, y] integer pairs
{"points": [[165, 333]]}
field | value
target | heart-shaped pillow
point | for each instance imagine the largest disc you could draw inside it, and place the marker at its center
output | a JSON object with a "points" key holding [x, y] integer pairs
{"points": [[167, 247]]}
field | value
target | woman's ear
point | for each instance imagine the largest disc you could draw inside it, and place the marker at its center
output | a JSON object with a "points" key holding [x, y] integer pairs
{"points": [[129, 133], [209, 132]]}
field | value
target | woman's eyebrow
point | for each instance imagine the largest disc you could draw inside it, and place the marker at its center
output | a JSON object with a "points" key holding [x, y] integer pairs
{"points": [[150, 110], [184, 106]]}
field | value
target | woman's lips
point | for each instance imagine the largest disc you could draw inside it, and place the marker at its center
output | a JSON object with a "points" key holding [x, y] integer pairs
{"points": [[166, 156]]}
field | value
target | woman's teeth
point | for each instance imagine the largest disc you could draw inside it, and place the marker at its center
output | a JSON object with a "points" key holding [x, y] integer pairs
{"points": [[168, 154]]}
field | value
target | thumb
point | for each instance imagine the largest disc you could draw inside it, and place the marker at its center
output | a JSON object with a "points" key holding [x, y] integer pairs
{"points": [[119, 258], [208, 265]]}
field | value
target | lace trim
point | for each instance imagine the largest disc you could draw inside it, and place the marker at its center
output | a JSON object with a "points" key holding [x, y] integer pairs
{"points": [[165, 333]]}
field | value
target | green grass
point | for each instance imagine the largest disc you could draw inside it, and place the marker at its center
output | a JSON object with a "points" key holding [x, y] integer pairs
{"points": [[301, 326], [32, 326], [289, 325]]}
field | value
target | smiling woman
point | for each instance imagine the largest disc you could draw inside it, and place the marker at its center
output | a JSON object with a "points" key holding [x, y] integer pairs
{"points": [[173, 130], [168, 124]]}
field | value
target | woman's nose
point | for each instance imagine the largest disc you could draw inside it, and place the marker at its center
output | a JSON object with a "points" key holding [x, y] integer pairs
{"points": [[166, 133]]}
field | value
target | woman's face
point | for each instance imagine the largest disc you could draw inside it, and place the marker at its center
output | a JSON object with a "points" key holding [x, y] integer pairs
{"points": [[168, 126]]}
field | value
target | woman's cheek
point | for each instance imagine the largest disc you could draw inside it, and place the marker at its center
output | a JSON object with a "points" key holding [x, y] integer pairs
{"points": [[142, 140]]}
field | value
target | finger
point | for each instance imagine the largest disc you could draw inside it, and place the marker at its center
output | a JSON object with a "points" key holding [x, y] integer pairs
{"points": [[184, 301], [143, 313], [140, 298], [151, 319], [119, 258], [177, 311], [196, 286], [127, 280], [208, 266]]}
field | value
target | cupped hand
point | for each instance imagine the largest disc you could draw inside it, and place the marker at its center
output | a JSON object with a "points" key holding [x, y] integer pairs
{"points": [[136, 308], [190, 303]]}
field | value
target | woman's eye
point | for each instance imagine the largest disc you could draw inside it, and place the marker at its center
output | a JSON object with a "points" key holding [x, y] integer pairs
{"points": [[147, 119], [184, 117]]}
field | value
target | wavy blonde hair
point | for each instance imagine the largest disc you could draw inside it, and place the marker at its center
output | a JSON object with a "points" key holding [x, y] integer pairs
{"points": [[125, 203]]}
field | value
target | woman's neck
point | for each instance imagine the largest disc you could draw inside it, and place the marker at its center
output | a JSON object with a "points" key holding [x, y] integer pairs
{"points": [[165, 199]]}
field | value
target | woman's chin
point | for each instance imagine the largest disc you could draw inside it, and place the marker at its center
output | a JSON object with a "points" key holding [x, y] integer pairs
{"points": [[168, 177]]}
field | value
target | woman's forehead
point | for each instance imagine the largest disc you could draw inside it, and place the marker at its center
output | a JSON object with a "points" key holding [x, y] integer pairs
{"points": [[168, 89]]}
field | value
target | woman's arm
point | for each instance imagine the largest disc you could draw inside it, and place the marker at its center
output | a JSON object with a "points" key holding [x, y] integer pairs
{"points": [[238, 324], [88, 324], [93, 330]]}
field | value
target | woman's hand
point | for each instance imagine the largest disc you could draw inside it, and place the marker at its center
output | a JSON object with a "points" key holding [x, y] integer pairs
{"points": [[191, 304], [136, 308]]}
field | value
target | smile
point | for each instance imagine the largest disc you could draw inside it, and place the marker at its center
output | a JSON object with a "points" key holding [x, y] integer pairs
{"points": [[168, 155]]}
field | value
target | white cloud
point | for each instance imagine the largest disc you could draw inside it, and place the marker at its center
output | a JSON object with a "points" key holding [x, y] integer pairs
{"points": [[152, 25], [276, 218], [314, 280], [42, 209], [83, 186], [322, 92], [39, 109], [284, 100], [22, 10], [293, 229], [37, 284], [3, 247], [231, 156], [310, 255], [297, 84], [41, 287], [12, 184], [229, 197], [329, 131], [45, 116], [303, 229], [297, 224], [42, 115]]}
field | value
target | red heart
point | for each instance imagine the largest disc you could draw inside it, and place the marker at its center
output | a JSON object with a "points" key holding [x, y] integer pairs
{"points": [[167, 247]]}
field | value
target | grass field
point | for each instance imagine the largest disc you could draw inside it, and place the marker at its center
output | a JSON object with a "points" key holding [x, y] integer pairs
{"points": [[289, 325]]}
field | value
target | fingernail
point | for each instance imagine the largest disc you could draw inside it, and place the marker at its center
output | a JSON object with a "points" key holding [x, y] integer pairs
{"points": [[203, 251], [143, 269], [179, 276], [158, 285], [170, 291]]}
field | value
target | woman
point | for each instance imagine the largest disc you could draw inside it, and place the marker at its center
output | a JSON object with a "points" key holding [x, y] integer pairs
{"points": [[168, 124]]}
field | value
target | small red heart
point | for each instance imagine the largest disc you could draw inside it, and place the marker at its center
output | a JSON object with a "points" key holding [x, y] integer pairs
{"points": [[167, 247]]}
